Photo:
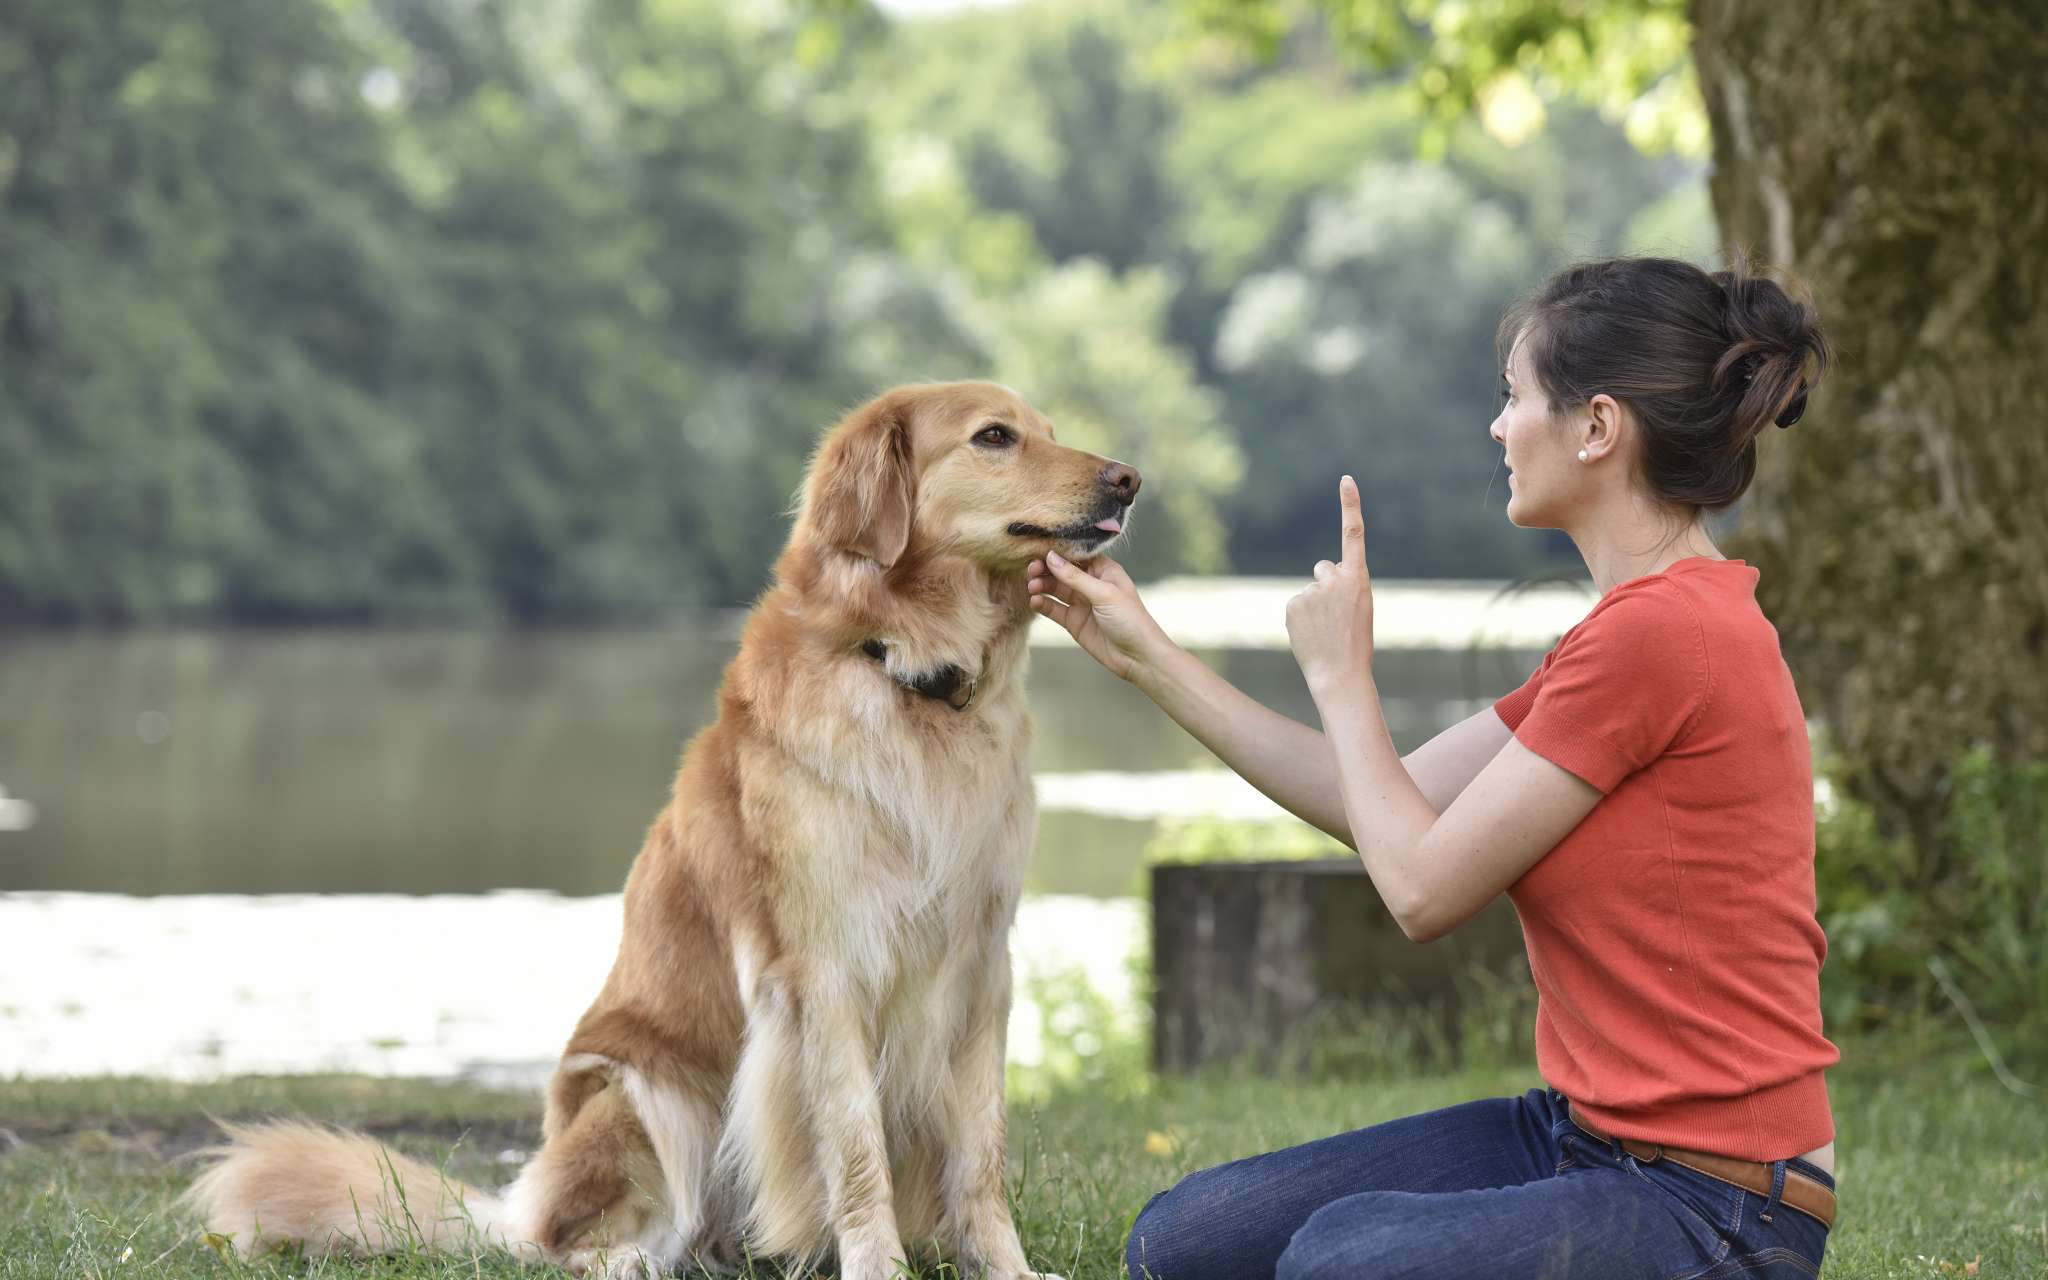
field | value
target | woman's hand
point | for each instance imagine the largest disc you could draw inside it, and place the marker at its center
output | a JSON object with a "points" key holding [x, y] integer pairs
{"points": [[1330, 623], [1098, 605]]}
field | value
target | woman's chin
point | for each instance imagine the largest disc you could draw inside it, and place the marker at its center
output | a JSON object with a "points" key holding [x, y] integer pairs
{"points": [[1522, 516], [1522, 509]]}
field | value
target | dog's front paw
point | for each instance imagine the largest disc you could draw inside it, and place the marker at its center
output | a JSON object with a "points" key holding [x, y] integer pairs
{"points": [[871, 1260]]}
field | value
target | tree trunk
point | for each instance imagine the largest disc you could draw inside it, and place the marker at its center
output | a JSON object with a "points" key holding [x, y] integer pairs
{"points": [[1891, 155]]}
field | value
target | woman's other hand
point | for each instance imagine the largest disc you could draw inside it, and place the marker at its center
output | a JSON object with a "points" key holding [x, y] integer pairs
{"points": [[1098, 605], [1329, 624]]}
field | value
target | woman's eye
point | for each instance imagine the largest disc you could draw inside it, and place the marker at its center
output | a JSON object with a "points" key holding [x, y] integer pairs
{"points": [[995, 435], [1505, 392]]}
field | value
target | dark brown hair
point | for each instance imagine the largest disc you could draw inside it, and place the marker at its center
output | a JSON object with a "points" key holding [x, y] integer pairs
{"points": [[1705, 362]]}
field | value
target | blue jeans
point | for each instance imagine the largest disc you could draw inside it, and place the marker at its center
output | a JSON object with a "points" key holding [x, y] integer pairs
{"points": [[1497, 1189]]}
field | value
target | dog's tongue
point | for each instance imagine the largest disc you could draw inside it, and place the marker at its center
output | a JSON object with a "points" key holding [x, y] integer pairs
{"points": [[1109, 524]]}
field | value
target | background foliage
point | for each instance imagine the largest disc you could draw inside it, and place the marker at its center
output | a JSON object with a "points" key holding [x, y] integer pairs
{"points": [[357, 309]]}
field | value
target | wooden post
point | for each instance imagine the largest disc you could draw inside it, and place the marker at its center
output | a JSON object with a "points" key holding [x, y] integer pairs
{"points": [[1247, 956]]}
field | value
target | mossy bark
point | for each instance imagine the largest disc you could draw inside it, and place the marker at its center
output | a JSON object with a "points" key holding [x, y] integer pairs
{"points": [[1892, 155]]}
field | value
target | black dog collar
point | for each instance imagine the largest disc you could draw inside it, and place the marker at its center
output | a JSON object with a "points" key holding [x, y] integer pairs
{"points": [[949, 684]]}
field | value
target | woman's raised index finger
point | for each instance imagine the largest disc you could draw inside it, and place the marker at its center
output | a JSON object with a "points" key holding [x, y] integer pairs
{"points": [[1354, 523]]}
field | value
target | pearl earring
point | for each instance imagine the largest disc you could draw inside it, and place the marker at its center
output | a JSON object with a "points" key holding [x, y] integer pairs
{"points": [[1582, 455]]}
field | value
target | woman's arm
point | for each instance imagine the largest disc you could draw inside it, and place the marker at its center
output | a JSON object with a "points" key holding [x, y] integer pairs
{"points": [[1434, 868], [1285, 759], [1445, 765], [1293, 763]]}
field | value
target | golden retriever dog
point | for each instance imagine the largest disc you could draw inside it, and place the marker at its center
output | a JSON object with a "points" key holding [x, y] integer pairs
{"points": [[799, 1050]]}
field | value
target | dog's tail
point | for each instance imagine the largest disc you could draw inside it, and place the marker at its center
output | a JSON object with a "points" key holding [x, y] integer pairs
{"points": [[336, 1192]]}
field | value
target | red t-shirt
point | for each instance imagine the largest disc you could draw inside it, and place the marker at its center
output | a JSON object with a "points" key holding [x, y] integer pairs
{"points": [[1672, 934]]}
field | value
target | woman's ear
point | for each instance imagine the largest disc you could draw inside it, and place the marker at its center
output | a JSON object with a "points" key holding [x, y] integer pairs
{"points": [[862, 484], [1605, 420]]}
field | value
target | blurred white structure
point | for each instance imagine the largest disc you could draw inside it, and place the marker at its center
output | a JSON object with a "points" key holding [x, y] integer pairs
{"points": [[1251, 613], [15, 815]]}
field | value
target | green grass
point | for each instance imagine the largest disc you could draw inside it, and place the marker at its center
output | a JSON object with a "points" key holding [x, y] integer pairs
{"points": [[1940, 1164]]}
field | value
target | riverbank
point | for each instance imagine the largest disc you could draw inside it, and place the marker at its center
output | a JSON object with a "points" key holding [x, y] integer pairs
{"points": [[475, 987]]}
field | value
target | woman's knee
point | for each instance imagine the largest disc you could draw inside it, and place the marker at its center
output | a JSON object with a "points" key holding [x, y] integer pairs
{"points": [[1166, 1241], [1345, 1240], [1135, 1247]]}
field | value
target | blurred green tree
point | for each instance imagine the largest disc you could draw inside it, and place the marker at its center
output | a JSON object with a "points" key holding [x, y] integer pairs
{"points": [[1092, 132], [202, 263], [363, 311], [349, 311], [632, 352]]}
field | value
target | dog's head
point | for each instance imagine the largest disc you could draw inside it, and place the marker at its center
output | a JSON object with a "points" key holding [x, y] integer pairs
{"points": [[961, 468]]}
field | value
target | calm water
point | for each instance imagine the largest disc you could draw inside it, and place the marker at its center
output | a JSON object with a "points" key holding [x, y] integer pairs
{"points": [[460, 762]]}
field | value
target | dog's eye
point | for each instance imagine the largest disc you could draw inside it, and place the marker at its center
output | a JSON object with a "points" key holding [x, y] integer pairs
{"points": [[994, 434]]}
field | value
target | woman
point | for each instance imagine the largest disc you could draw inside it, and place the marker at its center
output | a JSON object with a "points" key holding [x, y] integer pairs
{"points": [[1645, 799]]}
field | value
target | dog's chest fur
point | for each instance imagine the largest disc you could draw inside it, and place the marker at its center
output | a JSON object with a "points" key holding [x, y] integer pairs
{"points": [[913, 820]]}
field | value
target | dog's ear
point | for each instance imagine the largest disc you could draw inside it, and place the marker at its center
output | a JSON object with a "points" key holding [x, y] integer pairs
{"points": [[862, 482]]}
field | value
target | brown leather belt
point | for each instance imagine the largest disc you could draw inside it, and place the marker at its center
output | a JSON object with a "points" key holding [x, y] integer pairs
{"points": [[1808, 1195]]}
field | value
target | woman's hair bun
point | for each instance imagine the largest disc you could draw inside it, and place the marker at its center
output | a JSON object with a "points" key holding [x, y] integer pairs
{"points": [[1776, 353]]}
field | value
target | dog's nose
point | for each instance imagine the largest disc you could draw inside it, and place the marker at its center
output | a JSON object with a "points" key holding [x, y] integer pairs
{"points": [[1123, 481]]}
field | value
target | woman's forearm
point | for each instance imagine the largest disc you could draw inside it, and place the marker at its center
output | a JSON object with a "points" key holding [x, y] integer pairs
{"points": [[1373, 780], [1287, 760]]}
